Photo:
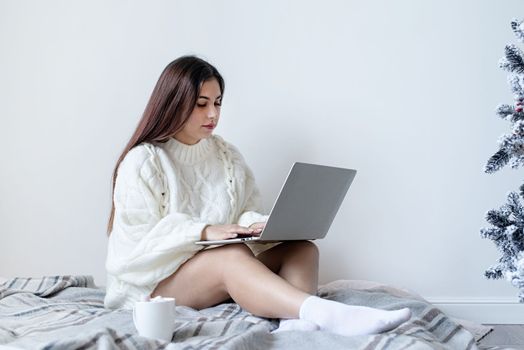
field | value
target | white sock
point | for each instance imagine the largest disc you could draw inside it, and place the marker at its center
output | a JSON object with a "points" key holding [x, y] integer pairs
{"points": [[350, 320], [296, 324]]}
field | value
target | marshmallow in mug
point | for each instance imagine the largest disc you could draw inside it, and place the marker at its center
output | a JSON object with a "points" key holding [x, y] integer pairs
{"points": [[158, 298]]}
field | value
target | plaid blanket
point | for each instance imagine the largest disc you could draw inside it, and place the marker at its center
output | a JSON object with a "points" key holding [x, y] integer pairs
{"points": [[67, 312]]}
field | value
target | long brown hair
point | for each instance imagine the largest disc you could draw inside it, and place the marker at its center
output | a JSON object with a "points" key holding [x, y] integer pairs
{"points": [[169, 107]]}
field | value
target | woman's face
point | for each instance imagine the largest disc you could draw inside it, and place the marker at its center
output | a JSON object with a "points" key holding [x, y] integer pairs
{"points": [[205, 115]]}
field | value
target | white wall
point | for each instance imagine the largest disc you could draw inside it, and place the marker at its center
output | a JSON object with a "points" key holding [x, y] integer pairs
{"points": [[404, 91]]}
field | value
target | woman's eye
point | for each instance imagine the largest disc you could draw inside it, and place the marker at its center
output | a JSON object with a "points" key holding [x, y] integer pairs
{"points": [[204, 105]]}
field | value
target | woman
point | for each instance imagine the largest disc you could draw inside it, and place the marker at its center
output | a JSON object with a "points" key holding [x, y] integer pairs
{"points": [[176, 183]]}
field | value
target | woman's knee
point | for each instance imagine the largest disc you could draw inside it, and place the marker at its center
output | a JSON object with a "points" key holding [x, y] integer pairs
{"points": [[305, 247]]}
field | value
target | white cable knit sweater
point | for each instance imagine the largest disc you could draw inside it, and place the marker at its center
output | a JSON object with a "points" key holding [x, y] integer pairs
{"points": [[165, 194]]}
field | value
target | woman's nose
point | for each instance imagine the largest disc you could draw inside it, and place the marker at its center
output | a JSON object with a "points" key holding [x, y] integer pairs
{"points": [[213, 113]]}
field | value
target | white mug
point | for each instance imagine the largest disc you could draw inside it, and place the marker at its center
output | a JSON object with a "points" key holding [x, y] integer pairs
{"points": [[155, 318]]}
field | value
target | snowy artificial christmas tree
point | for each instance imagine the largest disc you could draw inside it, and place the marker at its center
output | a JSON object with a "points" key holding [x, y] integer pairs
{"points": [[508, 221]]}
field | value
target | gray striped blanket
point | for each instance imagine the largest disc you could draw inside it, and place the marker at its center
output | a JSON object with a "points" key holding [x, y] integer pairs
{"points": [[67, 312]]}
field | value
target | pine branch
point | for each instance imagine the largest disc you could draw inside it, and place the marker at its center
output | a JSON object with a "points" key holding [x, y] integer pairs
{"points": [[508, 112], [517, 116], [505, 110], [513, 61], [492, 233], [517, 239], [516, 86], [516, 208], [494, 272], [508, 255], [518, 129], [513, 146], [518, 280], [514, 205], [497, 161], [517, 162], [498, 218], [518, 29]]}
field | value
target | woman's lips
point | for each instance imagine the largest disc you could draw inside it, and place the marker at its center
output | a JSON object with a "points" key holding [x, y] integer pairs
{"points": [[211, 126]]}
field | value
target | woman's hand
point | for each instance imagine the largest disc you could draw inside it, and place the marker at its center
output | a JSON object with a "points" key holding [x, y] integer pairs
{"points": [[258, 227], [218, 232]]}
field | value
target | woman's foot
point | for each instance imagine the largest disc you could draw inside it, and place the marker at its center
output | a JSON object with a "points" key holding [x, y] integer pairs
{"points": [[295, 324], [350, 320]]}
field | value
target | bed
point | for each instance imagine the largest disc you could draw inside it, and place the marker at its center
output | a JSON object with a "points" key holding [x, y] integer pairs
{"points": [[67, 312]]}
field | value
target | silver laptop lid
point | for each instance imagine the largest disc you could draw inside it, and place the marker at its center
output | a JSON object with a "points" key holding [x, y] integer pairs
{"points": [[308, 202]]}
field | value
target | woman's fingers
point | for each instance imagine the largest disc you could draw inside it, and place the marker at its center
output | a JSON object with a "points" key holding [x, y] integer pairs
{"points": [[258, 225], [240, 229]]}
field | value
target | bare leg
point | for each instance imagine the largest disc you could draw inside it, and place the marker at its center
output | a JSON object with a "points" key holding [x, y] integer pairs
{"points": [[214, 275], [296, 262]]}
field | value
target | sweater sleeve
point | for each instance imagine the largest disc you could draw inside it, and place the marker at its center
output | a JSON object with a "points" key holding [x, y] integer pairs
{"points": [[251, 209], [146, 246]]}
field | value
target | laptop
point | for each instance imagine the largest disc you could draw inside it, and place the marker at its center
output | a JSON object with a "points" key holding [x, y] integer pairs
{"points": [[305, 207]]}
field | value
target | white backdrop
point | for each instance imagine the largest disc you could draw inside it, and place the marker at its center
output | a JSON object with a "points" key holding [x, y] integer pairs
{"points": [[403, 91]]}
